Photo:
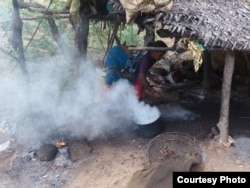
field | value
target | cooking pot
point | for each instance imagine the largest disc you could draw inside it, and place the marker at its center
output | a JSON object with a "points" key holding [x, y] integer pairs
{"points": [[149, 127]]}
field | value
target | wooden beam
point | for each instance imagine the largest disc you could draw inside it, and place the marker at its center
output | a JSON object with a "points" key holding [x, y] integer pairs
{"points": [[150, 48]]}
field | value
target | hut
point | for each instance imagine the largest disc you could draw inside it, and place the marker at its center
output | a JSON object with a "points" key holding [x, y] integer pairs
{"points": [[218, 25]]}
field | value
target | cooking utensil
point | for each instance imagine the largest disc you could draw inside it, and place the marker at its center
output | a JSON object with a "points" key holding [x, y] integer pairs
{"points": [[149, 128]]}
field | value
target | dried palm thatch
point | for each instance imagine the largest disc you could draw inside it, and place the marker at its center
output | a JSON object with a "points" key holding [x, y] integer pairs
{"points": [[195, 50], [216, 23]]}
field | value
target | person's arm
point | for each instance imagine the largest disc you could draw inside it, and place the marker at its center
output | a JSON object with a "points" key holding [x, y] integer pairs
{"points": [[146, 85], [145, 65]]}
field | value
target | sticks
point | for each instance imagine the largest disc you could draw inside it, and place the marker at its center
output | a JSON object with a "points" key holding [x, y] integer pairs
{"points": [[33, 35]]}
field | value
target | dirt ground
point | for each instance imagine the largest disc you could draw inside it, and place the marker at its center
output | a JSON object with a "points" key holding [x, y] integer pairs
{"points": [[113, 160], [116, 160]]}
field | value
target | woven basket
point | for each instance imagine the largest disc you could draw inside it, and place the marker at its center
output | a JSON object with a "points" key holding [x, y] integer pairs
{"points": [[172, 145]]}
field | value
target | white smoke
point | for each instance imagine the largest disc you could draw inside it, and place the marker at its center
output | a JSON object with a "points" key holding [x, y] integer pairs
{"points": [[173, 112], [57, 98]]}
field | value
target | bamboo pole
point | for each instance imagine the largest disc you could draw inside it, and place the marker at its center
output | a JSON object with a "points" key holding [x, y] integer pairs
{"points": [[151, 48]]}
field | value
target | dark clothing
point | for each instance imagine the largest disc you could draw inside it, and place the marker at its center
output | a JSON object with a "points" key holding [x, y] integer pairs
{"points": [[146, 63]]}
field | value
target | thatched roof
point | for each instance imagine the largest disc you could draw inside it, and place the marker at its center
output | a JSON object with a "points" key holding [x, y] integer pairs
{"points": [[216, 23]]}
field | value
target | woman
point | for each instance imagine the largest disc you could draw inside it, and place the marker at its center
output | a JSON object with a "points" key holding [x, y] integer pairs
{"points": [[141, 84], [117, 59]]}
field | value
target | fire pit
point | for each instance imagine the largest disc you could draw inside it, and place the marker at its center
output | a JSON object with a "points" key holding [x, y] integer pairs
{"points": [[172, 145], [61, 144]]}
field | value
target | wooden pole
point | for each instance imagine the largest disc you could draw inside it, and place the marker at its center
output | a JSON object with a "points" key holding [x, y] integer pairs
{"points": [[81, 38], [150, 48], [111, 41], [56, 35], [149, 36], [223, 123], [206, 72], [17, 41]]}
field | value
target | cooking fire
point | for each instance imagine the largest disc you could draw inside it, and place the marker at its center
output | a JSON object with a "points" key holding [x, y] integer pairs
{"points": [[61, 144]]}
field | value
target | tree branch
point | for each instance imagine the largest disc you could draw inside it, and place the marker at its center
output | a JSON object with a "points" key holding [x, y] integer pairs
{"points": [[8, 53], [46, 17], [47, 12], [51, 1]]}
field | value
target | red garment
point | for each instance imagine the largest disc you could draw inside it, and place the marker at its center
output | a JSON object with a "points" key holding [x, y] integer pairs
{"points": [[146, 63], [140, 90]]}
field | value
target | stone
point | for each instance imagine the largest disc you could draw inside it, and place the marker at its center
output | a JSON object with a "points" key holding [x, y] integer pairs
{"points": [[46, 152], [78, 150]]}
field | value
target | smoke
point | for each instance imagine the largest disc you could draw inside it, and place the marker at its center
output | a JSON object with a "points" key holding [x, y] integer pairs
{"points": [[173, 112], [56, 99]]}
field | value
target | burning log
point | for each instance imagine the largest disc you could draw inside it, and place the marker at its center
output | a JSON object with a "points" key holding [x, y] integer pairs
{"points": [[61, 144]]}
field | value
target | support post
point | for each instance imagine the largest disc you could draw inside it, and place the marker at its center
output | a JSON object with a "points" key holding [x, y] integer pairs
{"points": [[223, 123], [206, 72]]}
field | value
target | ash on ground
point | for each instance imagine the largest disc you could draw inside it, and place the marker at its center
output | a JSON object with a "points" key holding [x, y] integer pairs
{"points": [[27, 170]]}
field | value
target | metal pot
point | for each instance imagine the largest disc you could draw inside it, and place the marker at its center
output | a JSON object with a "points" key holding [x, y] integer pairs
{"points": [[149, 129]]}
